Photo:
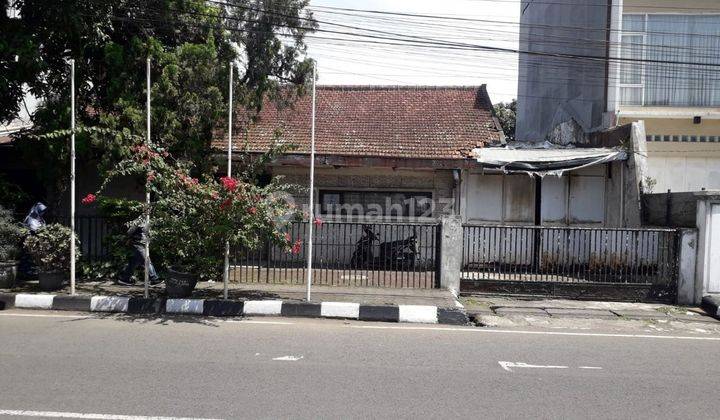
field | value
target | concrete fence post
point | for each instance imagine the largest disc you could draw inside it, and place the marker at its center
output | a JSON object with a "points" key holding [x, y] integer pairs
{"points": [[686, 267], [451, 248]]}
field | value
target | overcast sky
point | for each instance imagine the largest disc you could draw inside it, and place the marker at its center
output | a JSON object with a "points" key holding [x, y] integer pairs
{"points": [[357, 63]]}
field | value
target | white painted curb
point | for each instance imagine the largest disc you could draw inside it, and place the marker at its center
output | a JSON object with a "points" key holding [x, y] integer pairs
{"points": [[262, 307], [109, 304], [184, 306], [34, 301], [340, 310], [418, 313]]}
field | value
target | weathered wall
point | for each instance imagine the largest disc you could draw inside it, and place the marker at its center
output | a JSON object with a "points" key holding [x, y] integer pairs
{"points": [[670, 210], [439, 182], [554, 90]]}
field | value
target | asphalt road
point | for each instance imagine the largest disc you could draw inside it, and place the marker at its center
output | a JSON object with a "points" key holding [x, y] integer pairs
{"points": [[71, 365]]}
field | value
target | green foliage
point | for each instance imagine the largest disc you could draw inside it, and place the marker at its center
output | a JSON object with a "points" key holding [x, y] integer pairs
{"points": [[507, 115], [11, 234], [11, 195], [49, 248], [190, 42]]}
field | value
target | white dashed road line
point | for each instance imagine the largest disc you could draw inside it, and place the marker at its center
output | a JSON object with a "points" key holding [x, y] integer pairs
{"points": [[68, 415]]}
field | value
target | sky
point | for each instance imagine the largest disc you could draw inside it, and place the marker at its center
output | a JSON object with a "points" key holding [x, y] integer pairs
{"points": [[348, 63]]}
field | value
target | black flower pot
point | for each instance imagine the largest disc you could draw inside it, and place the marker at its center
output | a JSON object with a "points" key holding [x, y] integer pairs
{"points": [[51, 280], [8, 274], [180, 284]]}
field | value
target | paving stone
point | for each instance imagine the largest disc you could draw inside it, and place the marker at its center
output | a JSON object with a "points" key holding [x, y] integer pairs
{"points": [[580, 313], [520, 311]]}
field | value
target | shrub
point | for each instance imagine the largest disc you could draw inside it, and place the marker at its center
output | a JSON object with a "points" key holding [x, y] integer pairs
{"points": [[49, 247], [11, 234]]}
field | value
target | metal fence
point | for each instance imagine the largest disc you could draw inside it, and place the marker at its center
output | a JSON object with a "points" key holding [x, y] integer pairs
{"points": [[348, 254], [570, 255], [92, 231]]}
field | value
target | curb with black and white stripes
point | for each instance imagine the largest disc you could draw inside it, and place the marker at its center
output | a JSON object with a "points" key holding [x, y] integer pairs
{"points": [[221, 308]]}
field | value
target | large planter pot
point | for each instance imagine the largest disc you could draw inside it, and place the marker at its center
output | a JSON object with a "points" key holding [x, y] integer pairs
{"points": [[8, 274], [51, 280], [180, 284]]}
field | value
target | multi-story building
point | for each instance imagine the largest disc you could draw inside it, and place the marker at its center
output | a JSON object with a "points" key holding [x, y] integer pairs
{"points": [[607, 62]]}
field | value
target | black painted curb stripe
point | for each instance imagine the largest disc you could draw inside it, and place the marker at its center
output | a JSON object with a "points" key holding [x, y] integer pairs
{"points": [[380, 313], [222, 308], [302, 309], [138, 305], [71, 303], [452, 316], [7, 301]]}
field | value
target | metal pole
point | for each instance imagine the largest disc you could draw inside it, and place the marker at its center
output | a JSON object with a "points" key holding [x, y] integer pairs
{"points": [[226, 276], [72, 177], [147, 190], [312, 188]]}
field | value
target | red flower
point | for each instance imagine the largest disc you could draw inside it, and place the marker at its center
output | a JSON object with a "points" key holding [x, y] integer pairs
{"points": [[297, 246], [252, 210], [230, 184], [89, 199], [318, 222], [225, 204]]}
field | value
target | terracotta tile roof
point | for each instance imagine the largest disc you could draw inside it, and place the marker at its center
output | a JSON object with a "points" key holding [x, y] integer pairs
{"points": [[379, 121]]}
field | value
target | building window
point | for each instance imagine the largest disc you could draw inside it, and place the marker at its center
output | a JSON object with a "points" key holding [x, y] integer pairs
{"points": [[663, 42], [376, 203]]}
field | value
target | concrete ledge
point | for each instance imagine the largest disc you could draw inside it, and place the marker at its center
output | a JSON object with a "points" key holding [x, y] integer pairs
{"points": [[263, 307], [34, 301], [520, 311], [452, 316], [109, 304], [418, 314], [71, 303], [184, 306], [305, 309], [379, 313], [146, 306], [711, 305], [222, 308], [580, 313], [340, 310]]}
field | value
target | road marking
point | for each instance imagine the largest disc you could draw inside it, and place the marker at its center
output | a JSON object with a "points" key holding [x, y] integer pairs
{"points": [[508, 365], [590, 367], [575, 334], [67, 415], [288, 358]]}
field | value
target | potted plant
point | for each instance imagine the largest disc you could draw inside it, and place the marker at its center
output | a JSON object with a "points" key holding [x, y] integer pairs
{"points": [[11, 234], [192, 219], [49, 248]]}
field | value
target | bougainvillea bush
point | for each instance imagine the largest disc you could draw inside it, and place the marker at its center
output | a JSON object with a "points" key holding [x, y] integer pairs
{"points": [[192, 218]]}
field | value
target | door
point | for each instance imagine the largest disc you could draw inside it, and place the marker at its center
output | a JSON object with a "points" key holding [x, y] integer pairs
{"points": [[713, 285]]}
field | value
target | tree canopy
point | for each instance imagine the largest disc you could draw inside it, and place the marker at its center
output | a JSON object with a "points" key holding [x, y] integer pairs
{"points": [[190, 42], [507, 115]]}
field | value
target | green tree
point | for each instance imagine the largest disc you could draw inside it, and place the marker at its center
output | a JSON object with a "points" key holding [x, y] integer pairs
{"points": [[507, 114], [190, 42]]}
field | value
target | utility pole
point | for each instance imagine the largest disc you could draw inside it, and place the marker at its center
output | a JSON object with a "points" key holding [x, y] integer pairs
{"points": [[226, 274], [312, 188], [147, 190], [72, 177]]}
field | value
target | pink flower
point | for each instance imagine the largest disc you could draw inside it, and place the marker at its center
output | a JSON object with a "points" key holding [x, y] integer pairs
{"points": [[89, 199], [252, 210], [318, 222], [151, 176], [297, 246], [230, 184], [287, 237]]}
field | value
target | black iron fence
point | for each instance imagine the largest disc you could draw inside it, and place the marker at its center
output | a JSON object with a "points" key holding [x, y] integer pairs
{"points": [[93, 233], [348, 253], [570, 255]]}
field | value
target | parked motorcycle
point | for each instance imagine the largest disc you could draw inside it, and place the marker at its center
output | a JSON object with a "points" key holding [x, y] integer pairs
{"points": [[394, 255]]}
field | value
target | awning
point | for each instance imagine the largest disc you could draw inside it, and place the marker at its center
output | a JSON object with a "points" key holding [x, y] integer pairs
{"points": [[545, 159]]}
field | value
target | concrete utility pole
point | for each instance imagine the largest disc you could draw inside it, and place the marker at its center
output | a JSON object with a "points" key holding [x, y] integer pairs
{"points": [[147, 191], [312, 188], [72, 177], [226, 274]]}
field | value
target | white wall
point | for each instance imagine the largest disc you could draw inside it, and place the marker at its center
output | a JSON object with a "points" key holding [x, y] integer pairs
{"points": [[680, 173]]}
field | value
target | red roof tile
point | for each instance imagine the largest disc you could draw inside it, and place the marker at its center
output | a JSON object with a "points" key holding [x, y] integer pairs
{"points": [[379, 121]]}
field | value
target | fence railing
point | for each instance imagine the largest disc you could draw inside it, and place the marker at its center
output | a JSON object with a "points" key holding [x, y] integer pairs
{"points": [[570, 255], [348, 253], [92, 231]]}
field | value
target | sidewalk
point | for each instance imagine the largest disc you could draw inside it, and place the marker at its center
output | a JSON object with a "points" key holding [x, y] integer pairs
{"points": [[365, 304], [492, 311]]}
